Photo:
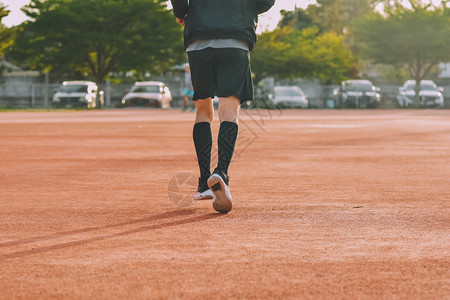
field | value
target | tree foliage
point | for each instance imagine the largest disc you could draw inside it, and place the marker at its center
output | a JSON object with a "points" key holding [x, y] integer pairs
{"points": [[96, 37], [418, 38], [289, 53], [330, 50], [6, 39], [297, 19], [336, 15], [4, 34], [3, 11]]}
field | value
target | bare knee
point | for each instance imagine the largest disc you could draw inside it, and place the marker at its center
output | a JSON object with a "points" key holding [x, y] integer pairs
{"points": [[204, 111], [203, 116], [229, 109]]}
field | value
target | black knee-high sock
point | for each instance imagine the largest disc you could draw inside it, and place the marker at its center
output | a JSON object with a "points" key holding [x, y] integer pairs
{"points": [[226, 142], [203, 143]]}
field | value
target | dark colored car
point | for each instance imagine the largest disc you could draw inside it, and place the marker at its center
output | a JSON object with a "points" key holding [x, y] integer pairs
{"points": [[357, 94]]}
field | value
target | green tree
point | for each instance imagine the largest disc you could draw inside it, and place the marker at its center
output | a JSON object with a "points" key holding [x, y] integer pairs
{"points": [[418, 38], [97, 37], [289, 53], [297, 19], [336, 15], [3, 12], [5, 38]]}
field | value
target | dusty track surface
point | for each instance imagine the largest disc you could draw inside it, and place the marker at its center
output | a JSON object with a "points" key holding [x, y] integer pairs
{"points": [[328, 204]]}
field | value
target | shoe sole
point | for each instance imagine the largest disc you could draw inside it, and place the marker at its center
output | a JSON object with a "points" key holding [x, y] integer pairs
{"points": [[222, 201]]}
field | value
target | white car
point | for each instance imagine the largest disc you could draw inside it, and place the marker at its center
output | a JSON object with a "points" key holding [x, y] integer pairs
{"points": [[289, 96], [429, 95], [76, 93], [148, 94]]}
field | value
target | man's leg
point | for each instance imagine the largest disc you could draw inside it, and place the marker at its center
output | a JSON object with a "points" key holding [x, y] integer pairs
{"points": [[228, 132], [202, 136], [185, 102], [203, 83]]}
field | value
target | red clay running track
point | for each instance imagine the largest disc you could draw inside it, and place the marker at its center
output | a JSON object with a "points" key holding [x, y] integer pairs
{"points": [[328, 204]]}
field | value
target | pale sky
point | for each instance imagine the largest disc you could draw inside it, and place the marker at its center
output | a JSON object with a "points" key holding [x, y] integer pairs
{"points": [[267, 21]]}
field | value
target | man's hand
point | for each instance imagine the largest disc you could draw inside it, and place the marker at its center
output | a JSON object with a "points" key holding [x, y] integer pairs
{"points": [[180, 21]]}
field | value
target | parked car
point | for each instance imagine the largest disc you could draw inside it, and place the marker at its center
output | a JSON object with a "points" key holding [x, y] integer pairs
{"points": [[429, 95], [148, 94], [357, 93], [289, 97], [77, 93]]}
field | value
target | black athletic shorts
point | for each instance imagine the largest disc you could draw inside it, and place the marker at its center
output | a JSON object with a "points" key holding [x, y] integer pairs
{"points": [[221, 72]]}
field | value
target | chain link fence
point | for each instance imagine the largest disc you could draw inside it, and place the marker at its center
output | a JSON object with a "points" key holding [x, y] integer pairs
{"points": [[40, 95], [26, 95]]}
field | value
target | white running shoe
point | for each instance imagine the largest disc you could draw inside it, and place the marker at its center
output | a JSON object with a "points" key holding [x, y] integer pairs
{"points": [[206, 195], [222, 201], [203, 191]]}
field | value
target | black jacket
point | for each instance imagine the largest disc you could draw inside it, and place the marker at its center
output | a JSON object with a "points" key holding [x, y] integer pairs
{"points": [[220, 19]]}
